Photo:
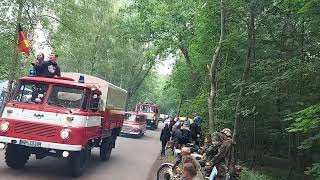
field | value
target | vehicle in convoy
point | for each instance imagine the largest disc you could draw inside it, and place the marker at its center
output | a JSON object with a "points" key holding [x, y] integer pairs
{"points": [[152, 112], [163, 117], [62, 118], [184, 119], [134, 124]]}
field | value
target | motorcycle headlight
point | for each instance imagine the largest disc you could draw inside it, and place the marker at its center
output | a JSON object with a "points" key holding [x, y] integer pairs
{"points": [[4, 126], [65, 134]]}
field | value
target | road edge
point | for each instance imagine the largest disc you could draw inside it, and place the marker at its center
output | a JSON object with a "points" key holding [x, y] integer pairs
{"points": [[153, 170]]}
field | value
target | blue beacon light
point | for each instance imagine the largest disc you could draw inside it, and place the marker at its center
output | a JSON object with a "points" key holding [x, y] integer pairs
{"points": [[81, 78], [32, 72]]}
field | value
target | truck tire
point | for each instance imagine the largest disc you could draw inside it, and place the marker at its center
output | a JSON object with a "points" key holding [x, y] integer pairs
{"points": [[153, 126], [16, 156], [78, 162], [105, 149]]}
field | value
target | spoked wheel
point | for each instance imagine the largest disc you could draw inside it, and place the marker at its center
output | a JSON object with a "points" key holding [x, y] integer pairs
{"points": [[165, 172]]}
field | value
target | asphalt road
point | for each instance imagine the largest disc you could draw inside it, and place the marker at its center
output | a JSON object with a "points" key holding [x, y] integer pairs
{"points": [[130, 160]]}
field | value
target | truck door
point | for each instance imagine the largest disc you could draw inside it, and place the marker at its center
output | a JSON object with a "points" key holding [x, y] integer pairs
{"points": [[94, 119], [30, 99]]}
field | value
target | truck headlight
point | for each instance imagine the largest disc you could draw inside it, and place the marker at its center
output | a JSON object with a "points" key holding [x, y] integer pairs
{"points": [[4, 126], [65, 134]]}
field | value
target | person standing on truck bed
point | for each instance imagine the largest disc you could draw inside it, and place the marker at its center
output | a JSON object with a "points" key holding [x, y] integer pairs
{"points": [[37, 62], [49, 68]]}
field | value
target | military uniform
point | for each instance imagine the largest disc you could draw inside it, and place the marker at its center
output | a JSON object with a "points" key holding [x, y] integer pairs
{"points": [[224, 159], [209, 151]]}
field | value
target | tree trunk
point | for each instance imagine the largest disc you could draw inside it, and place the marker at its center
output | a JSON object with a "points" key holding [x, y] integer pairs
{"points": [[14, 66], [245, 74], [127, 100], [213, 71], [179, 107], [185, 53], [134, 88]]}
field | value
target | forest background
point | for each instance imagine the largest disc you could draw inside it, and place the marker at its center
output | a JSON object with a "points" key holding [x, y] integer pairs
{"points": [[250, 65]]}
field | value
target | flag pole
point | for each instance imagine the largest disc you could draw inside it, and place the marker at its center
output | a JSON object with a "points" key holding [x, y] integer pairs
{"points": [[32, 52]]}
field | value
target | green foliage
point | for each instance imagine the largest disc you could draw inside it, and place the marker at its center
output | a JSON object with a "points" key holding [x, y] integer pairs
{"points": [[314, 170], [247, 174], [284, 76], [120, 41], [307, 121]]}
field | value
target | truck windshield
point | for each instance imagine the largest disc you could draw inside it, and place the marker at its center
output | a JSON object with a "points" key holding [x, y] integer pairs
{"points": [[66, 97], [146, 109], [130, 117], [133, 117], [31, 92]]}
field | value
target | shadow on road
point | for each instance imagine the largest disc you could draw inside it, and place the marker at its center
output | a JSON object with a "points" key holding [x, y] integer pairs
{"points": [[53, 168]]}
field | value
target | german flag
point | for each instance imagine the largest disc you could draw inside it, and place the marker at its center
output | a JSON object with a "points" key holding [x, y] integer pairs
{"points": [[23, 43]]}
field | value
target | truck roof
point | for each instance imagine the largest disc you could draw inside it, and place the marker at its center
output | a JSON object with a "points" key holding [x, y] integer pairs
{"points": [[59, 80], [112, 96], [135, 113], [149, 104]]}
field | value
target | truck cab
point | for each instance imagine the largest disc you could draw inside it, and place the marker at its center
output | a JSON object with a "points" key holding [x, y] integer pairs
{"points": [[152, 112], [61, 117]]}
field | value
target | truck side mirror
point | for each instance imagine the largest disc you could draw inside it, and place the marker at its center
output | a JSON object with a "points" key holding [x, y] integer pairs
{"points": [[94, 103]]}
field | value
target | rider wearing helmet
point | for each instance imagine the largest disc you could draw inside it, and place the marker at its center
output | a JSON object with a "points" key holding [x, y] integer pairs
{"points": [[224, 159]]}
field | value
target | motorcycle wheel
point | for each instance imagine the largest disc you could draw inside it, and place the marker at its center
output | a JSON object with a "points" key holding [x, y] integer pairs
{"points": [[165, 172]]}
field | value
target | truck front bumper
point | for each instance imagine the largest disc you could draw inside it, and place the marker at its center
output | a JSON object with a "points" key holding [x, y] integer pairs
{"points": [[151, 123], [131, 132], [48, 145]]}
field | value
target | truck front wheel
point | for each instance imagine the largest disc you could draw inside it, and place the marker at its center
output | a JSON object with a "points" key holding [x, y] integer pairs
{"points": [[16, 156], [105, 149], [78, 162]]}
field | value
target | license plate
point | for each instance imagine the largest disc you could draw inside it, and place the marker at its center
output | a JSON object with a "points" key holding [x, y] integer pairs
{"points": [[30, 143], [125, 131]]}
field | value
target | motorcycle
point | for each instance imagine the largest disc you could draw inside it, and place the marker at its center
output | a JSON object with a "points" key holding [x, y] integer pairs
{"points": [[167, 171]]}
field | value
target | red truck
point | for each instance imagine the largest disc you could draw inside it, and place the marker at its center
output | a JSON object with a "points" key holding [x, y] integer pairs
{"points": [[62, 117], [152, 112], [134, 124]]}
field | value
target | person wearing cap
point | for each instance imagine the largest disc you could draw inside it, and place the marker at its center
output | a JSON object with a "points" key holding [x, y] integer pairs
{"points": [[224, 159], [48, 68]]}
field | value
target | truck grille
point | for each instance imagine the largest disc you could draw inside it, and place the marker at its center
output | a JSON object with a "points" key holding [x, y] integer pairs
{"points": [[126, 128], [42, 130]]}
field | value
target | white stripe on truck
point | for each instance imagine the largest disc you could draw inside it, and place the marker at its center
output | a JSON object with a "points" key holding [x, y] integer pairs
{"points": [[51, 118]]}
